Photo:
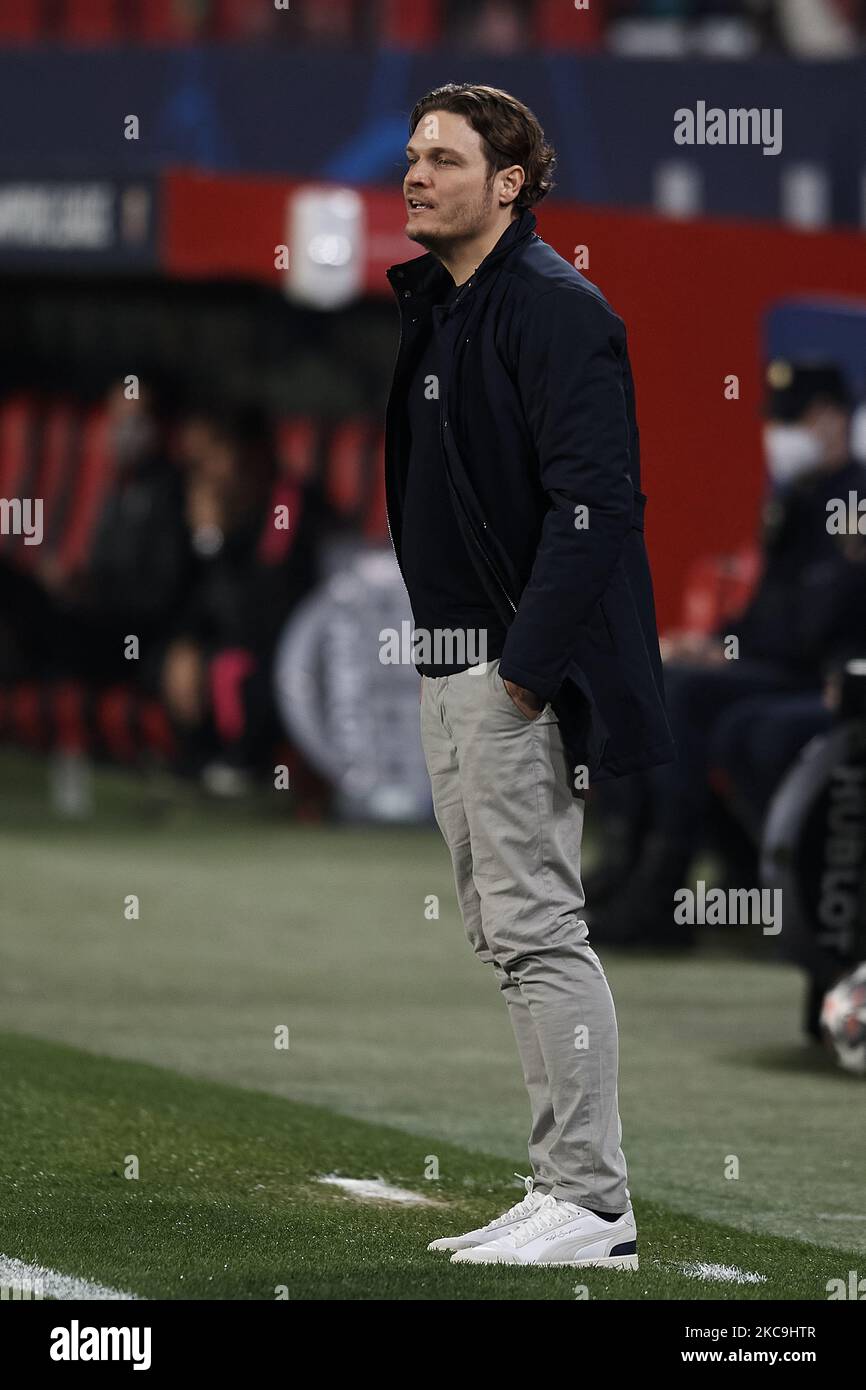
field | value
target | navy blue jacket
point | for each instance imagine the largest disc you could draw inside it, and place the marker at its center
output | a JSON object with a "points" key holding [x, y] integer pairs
{"points": [[542, 459]]}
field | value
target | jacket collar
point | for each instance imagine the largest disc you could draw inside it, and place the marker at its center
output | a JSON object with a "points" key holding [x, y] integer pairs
{"points": [[423, 274]]}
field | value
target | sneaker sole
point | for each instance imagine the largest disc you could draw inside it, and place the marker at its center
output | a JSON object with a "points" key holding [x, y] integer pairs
{"points": [[605, 1261], [600, 1262]]}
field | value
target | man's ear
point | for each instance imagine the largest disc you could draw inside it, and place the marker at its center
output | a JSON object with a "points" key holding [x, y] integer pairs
{"points": [[510, 183]]}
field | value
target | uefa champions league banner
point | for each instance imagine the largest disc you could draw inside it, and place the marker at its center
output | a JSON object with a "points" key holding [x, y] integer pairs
{"points": [[354, 715], [200, 110], [79, 224]]}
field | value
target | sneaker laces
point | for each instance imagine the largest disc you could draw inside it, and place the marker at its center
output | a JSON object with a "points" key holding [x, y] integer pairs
{"points": [[549, 1213], [523, 1208]]}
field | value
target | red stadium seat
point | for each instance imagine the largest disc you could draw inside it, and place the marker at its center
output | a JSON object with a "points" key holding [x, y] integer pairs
{"points": [[155, 727], [19, 434], [56, 472], [297, 440], [560, 26], [415, 26], [92, 483], [26, 714], [114, 721], [275, 542], [228, 671], [67, 709], [345, 482], [90, 22], [246, 20], [376, 518], [21, 21], [165, 21], [718, 587], [18, 420]]}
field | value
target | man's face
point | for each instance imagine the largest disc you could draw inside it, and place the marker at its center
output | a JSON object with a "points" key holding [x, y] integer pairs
{"points": [[450, 177], [817, 440]]}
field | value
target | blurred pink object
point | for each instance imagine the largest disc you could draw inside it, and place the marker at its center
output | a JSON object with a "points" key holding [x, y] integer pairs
{"points": [[228, 670]]}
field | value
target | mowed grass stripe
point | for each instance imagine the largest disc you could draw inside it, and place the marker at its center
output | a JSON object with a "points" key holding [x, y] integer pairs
{"points": [[227, 1202], [248, 926]]}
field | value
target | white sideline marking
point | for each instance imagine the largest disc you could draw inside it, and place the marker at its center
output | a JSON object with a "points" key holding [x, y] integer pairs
{"points": [[368, 1189], [54, 1284], [724, 1273]]}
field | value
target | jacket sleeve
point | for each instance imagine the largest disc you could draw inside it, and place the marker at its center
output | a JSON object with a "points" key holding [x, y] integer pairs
{"points": [[571, 380]]}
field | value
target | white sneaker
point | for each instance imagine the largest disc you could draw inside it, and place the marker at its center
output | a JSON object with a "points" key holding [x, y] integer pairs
{"points": [[499, 1226], [561, 1233]]}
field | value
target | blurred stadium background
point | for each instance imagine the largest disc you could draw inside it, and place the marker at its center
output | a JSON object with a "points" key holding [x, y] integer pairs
{"points": [[202, 197]]}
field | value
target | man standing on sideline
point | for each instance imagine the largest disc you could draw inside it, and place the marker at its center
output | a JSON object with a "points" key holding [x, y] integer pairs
{"points": [[512, 482]]}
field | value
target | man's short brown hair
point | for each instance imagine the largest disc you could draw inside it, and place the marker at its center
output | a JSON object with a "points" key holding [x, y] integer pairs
{"points": [[510, 133]]}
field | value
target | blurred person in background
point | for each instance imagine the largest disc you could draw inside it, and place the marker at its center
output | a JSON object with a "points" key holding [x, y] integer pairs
{"points": [[818, 28], [804, 28], [64, 624], [495, 26], [804, 620], [247, 577], [755, 743]]}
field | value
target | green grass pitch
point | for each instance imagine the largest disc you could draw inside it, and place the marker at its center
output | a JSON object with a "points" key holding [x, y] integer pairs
{"points": [[155, 1037]]}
